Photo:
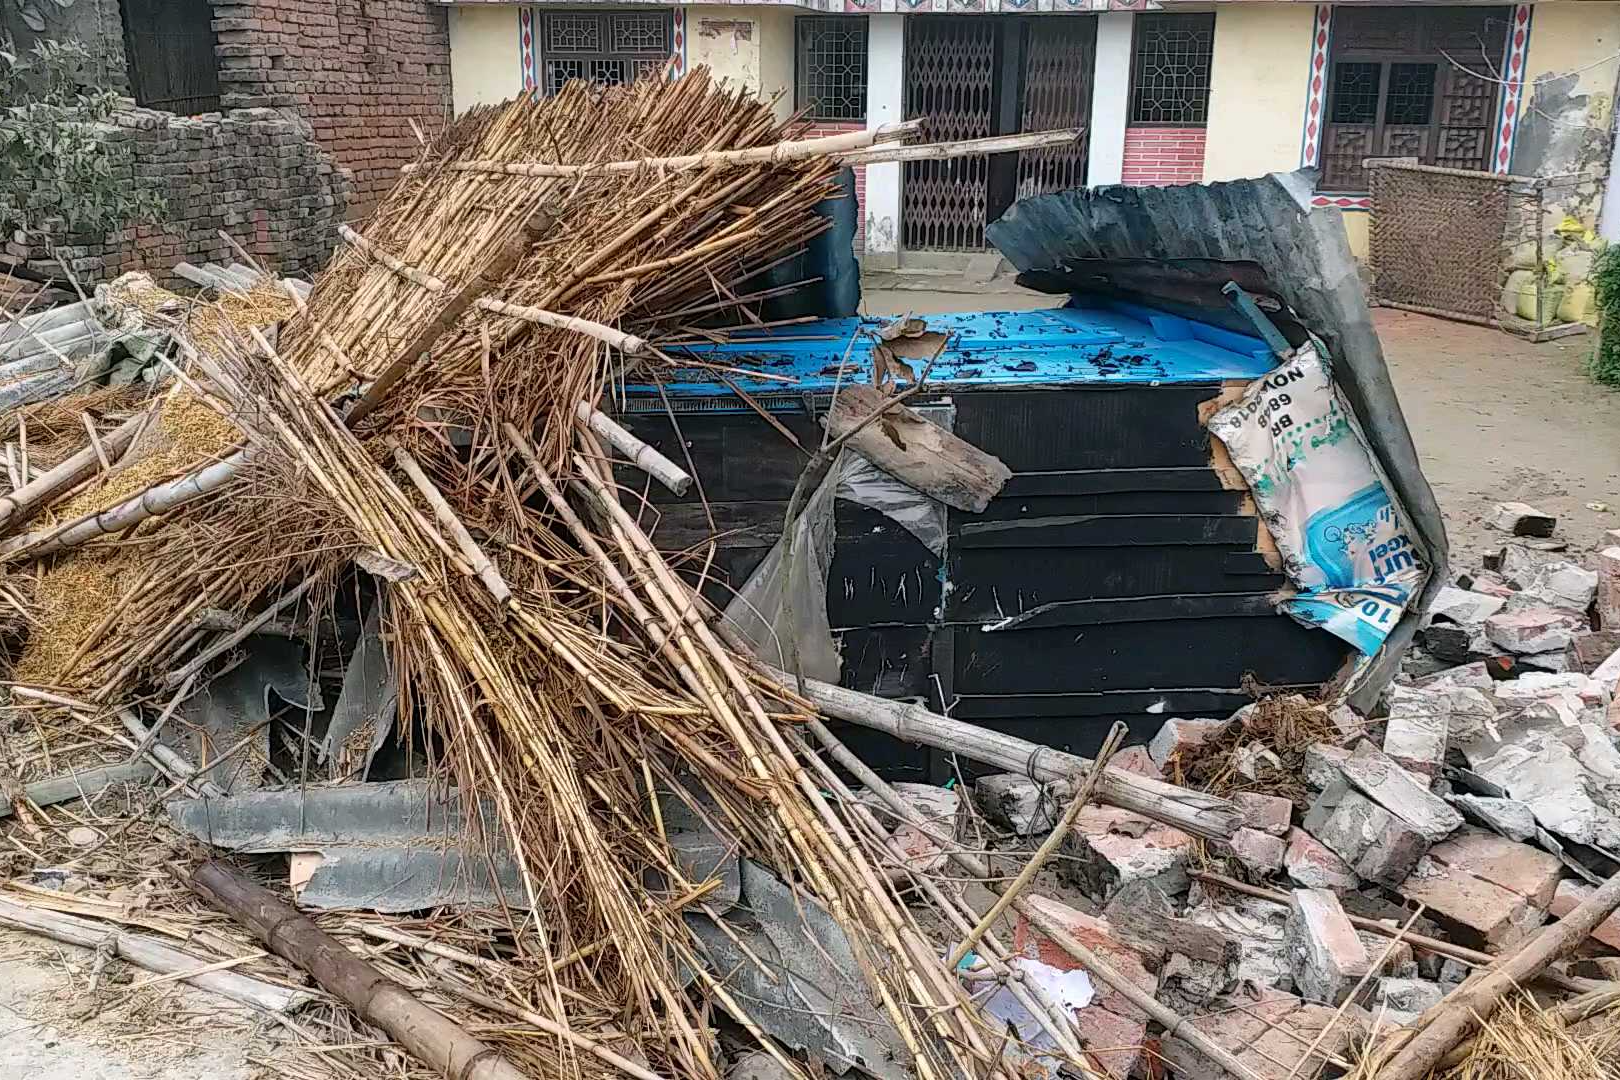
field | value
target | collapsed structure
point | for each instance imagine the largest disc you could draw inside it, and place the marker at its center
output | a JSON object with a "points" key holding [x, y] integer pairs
{"points": [[391, 533]]}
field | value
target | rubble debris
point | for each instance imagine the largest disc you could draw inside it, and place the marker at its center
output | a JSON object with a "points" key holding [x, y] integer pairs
{"points": [[1587, 652], [1464, 607], [1530, 630], [1268, 813], [939, 806], [1409, 995], [1020, 804], [1324, 764], [1562, 585], [1141, 916], [1375, 843], [1608, 587], [1521, 519], [1376, 775], [1177, 737], [1474, 911], [1571, 894], [1329, 959], [1273, 1037], [1507, 817], [1312, 866], [1416, 729], [1109, 847], [1111, 1027]]}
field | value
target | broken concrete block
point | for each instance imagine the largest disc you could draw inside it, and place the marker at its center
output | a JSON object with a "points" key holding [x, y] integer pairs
{"points": [[1464, 607], [1519, 868], [758, 1065], [1260, 852], [1323, 764], [1534, 629], [1521, 519], [1177, 736], [1544, 771], [1494, 584], [1329, 959], [1563, 585], [1269, 1037], [1136, 759], [1374, 842], [1268, 813], [1109, 848], [1416, 730], [1509, 817], [1020, 804], [1378, 777], [1568, 897], [1409, 995], [1608, 588], [1393, 959], [1311, 865], [1110, 1023], [1555, 662]]}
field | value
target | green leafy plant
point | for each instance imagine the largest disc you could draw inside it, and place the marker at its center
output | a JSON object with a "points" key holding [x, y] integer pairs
{"points": [[58, 171], [1604, 364]]}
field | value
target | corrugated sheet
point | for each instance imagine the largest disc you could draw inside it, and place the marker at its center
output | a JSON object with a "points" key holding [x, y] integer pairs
{"points": [[1307, 259]]}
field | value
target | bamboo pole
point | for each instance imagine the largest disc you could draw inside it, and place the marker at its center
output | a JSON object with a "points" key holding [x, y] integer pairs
{"points": [[486, 570], [995, 144], [795, 150], [427, 1035], [644, 457], [1469, 1007], [18, 506], [240, 634], [628, 344], [155, 501], [147, 952], [398, 266], [1190, 811]]}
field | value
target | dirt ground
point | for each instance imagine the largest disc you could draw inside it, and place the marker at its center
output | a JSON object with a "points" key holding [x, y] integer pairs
{"points": [[1494, 418]]}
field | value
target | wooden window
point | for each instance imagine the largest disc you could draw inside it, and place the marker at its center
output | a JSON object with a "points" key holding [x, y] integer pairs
{"points": [[169, 48], [604, 47], [1418, 83], [1170, 69], [830, 66]]}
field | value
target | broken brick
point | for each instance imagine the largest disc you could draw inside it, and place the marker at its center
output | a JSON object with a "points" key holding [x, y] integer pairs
{"points": [[1328, 957], [1521, 869], [1375, 843], [1269, 1036], [1381, 779], [1110, 847], [1476, 913], [1522, 519], [1416, 730], [1260, 852], [1323, 765], [1608, 588], [1569, 896], [1268, 813], [1310, 864], [1177, 736], [1136, 759], [1534, 629]]}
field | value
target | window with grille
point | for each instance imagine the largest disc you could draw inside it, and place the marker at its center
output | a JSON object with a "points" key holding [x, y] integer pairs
{"points": [[1416, 83], [1170, 76], [831, 66], [604, 47], [169, 49]]}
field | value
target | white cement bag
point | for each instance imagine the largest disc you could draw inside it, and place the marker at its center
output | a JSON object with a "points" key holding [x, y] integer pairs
{"points": [[1345, 546]]}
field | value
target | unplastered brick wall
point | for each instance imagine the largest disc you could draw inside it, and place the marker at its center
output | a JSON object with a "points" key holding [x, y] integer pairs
{"points": [[256, 174], [360, 71], [1163, 155], [833, 127]]}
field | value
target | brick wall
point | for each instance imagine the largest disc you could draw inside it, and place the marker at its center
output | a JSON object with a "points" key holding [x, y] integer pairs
{"points": [[835, 127], [359, 71], [1163, 155], [257, 174]]}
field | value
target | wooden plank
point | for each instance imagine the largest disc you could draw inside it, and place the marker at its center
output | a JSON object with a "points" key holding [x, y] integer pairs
{"points": [[924, 455]]}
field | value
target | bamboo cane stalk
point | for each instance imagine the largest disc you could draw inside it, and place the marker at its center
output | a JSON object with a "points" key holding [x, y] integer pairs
{"points": [[644, 457], [629, 344], [240, 634], [486, 571], [398, 266], [21, 504]]}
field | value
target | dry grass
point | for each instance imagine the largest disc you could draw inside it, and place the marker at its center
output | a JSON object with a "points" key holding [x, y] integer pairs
{"points": [[1523, 1040], [1285, 724]]}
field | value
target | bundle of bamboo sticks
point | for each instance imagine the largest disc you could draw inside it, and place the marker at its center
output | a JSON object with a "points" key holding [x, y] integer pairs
{"points": [[431, 410]]}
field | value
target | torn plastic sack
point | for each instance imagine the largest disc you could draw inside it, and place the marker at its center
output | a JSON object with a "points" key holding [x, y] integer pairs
{"points": [[1344, 541], [757, 612]]}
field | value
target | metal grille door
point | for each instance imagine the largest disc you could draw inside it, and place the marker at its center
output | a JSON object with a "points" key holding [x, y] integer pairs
{"points": [[950, 78], [1057, 94]]}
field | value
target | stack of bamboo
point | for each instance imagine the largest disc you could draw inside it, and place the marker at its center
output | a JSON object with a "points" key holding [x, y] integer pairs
{"points": [[430, 416]]}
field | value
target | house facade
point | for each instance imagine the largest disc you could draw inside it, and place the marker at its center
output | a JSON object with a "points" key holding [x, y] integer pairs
{"points": [[1167, 91]]}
